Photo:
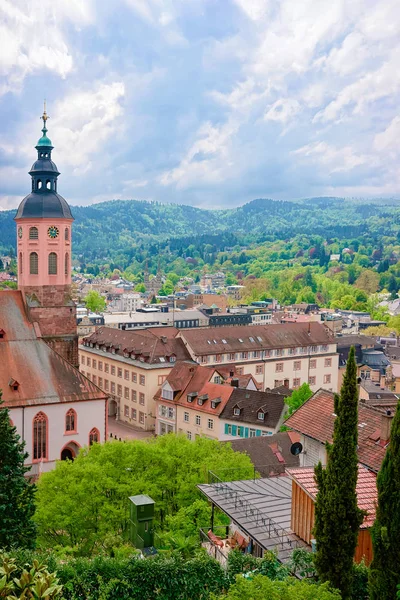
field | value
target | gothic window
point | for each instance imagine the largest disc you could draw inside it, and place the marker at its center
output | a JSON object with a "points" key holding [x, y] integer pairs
{"points": [[40, 436], [20, 263], [33, 263], [70, 420], [94, 436], [52, 263], [66, 234], [66, 263], [33, 233]]}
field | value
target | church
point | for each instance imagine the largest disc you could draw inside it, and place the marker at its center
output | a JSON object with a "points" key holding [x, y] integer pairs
{"points": [[55, 408]]}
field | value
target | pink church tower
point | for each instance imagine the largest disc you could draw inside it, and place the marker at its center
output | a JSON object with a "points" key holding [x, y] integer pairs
{"points": [[44, 238]]}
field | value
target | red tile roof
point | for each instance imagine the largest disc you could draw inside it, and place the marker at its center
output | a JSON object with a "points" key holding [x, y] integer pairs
{"points": [[44, 377], [316, 419], [255, 337], [367, 493]]}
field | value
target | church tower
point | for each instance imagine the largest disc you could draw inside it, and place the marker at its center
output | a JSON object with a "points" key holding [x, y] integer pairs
{"points": [[44, 228]]}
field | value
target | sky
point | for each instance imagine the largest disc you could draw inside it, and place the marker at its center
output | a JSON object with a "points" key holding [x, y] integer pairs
{"points": [[205, 102]]}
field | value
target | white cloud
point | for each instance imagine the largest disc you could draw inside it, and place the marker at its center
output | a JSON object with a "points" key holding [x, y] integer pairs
{"points": [[32, 37], [282, 110], [335, 159], [254, 9]]}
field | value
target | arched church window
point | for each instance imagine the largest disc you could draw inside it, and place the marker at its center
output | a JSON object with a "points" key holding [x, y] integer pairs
{"points": [[33, 263], [52, 263], [39, 184], [40, 448], [20, 263], [66, 263], [33, 233], [94, 436], [66, 234], [70, 420], [48, 184]]}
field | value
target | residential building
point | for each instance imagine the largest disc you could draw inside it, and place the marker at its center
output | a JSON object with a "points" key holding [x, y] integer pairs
{"points": [[275, 355], [372, 363], [250, 413], [144, 318], [129, 302], [270, 454], [304, 493], [193, 300], [130, 366], [229, 319], [315, 419], [54, 408], [213, 281], [234, 291]]}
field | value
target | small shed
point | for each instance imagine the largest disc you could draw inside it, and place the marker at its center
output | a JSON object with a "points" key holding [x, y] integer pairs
{"points": [[141, 515], [304, 493]]}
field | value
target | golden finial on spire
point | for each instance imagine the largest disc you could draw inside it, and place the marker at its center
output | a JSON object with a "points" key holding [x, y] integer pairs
{"points": [[44, 116]]}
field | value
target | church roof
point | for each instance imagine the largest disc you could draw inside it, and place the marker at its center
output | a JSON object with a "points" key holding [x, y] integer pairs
{"points": [[44, 377], [42, 205]]}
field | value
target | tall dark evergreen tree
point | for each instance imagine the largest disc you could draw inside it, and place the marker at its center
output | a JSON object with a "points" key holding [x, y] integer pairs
{"points": [[17, 529], [337, 516], [385, 566]]}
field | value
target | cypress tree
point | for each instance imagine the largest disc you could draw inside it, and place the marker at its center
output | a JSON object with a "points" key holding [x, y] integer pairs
{"points": [[337, 516], [17, 529], [385, 566]]}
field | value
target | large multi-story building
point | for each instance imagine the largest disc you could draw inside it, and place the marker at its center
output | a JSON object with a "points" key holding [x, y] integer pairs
{"points": [[130, 366], [288, 354]]}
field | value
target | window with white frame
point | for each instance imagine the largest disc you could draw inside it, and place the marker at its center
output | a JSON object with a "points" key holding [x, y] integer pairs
{"points": [[210, 423], [167, 394], [198, 420], [260, 416], [186, 417]]}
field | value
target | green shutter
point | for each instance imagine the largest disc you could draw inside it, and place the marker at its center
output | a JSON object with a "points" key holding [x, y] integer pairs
{"points": [[234, 429], [241, 431], [226, 429], [246, 432], [258, 432]]}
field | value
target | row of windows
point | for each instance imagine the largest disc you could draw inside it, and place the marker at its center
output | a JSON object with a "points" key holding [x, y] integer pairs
{"points": [[245, 432], [52, 263], [133, 414], [297, 365], [197, 420], [49, 185], [41, 429], [235, 356], [312, 380], [118, 371], [110, 386], [34, 233]]}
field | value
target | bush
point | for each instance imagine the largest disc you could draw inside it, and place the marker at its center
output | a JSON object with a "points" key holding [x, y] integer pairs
{"points": [[263, 588], [30, 581]]}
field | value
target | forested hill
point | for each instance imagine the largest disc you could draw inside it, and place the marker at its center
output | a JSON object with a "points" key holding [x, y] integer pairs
{"points": [[116, 228]]}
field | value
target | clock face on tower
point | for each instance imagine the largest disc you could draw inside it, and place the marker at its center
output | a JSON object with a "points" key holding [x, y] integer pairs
{"points": [[20, 232], [53, 232]]}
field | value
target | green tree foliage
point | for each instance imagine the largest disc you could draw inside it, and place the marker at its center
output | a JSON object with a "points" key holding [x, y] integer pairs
{"points": [[262, 588], [80, 503], [385, 567], [95, 302], [17, 493], [337, 516], [297, 398], [30, 581]]}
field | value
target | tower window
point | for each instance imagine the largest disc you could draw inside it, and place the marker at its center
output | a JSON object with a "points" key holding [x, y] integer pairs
{"points": [[33, 233], [66, 234], [33, 263], [66, 263], [52, 263], [40, 436], [39, 184], [20, 263], [48, 184]]}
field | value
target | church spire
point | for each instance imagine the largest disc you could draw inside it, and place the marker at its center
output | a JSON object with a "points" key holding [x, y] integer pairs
{"points": [[44, 140]]}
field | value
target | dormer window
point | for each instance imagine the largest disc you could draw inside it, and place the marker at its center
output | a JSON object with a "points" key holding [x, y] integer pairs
{"points": [[236, 411], [172, 358], [2, 334], [260, 415], [14, 385]]}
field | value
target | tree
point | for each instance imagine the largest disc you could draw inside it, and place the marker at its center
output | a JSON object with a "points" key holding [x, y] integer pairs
{"points": [[297, 398], [94, 302], [337, 516], [82, 502], [368, 281], [17, 493], [141, 288], [385, 566], [263, 588]]}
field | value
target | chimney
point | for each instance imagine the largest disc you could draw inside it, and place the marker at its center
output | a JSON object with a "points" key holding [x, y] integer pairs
{"points": [[235, 382], [386, 423], [231, 373], [383, 382]]}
